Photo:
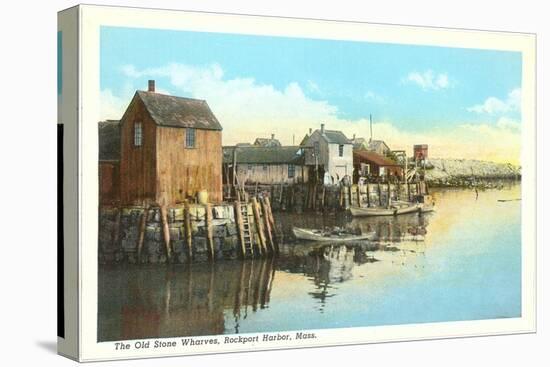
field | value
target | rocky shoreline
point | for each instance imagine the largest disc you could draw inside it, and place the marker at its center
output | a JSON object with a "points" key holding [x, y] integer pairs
{"points": [[469, 172]]}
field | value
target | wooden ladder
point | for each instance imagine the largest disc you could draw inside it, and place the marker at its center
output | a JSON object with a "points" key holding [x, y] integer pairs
{"points": [[247, 234]]}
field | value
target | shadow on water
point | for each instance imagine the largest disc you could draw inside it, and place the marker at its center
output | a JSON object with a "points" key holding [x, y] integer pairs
{"points": [[183, 300]]}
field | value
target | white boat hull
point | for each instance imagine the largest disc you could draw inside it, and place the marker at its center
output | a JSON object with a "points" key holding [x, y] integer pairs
{"points": [[373, 211], [305, 234]]}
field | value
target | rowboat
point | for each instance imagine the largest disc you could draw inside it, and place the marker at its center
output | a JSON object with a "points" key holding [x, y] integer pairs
{"points": [[394, 209], [320, 236]]}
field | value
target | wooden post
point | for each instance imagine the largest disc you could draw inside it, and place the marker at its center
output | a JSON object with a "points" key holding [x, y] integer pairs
{"points": [[240, 226], [259, 226], [398, 189], [234, 166], [358, 195], [165, 231], [315, 197], [271, 219], [379, 193], [188, 232], [292, 198], [323, 198], [272, 224], [267, 224], [368, 195], [142, 226], [209, 235], [389, 192]]}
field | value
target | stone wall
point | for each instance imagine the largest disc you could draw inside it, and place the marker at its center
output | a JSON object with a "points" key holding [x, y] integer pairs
{"points": [[119, 234]]}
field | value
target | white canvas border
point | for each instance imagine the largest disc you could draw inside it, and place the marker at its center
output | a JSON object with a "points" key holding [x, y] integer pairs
{"points": [[93, 17]]}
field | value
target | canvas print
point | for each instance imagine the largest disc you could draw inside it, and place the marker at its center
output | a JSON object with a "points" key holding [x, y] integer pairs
{"points": [[271, 184]]}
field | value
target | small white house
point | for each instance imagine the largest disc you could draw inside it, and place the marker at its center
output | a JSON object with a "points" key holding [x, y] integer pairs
{"points": [[332, 154]]}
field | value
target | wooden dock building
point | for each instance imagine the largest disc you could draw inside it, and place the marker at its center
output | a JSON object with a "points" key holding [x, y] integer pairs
{"points": [[170, 150]]}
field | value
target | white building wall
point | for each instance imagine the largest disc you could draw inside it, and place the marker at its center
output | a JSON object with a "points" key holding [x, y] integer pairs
{"points": [[271, 174], [338, 167]]}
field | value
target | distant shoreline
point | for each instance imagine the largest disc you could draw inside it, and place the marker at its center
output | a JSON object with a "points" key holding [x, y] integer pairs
{"points": [[469, 172]]}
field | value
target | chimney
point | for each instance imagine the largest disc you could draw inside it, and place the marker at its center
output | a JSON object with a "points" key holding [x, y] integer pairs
{"points": [[322, 128], [151, 86], [310, 131], [272, 136]]}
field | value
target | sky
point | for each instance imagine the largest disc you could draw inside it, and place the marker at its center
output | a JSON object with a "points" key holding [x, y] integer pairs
{"points": [[463, 103]]}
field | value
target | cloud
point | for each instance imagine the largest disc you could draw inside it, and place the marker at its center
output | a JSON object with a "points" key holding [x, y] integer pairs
{"points": [[428, 80], [313, 87], [248, 109], [495, 106], [371, 96], [112, 107]]}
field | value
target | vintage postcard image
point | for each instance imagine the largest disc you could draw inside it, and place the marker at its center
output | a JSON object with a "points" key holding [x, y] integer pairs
{"points": [[258, 188]]}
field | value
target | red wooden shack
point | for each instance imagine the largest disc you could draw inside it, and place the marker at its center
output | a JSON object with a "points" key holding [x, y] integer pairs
{"points": [[171, 148], [377, 164]]}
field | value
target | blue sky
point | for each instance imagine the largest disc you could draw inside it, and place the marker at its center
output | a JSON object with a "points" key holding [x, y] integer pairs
{"points": [[280, 84]]}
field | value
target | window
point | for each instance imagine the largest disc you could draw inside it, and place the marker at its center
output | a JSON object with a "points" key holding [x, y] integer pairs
{"points": [[291, 171], [190, 137], [340, 150], [138, 134]]}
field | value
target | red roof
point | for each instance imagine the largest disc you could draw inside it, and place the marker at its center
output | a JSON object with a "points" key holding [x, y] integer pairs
{"points": [[365, 156]]}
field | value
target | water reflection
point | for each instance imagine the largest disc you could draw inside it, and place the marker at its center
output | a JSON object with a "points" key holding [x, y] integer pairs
{"points": [[153, 301], [461, 263], [144, 302]]}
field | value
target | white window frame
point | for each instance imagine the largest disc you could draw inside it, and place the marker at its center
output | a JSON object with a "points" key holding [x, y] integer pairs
{"points": [[138, 134]]}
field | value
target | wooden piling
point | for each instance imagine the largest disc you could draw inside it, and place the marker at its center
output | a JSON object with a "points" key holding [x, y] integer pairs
{"points": [[188, 232], [379, 193], [389, 193], [323, 198], [240, 226], [165, 231], [368, 195], [259, 226], [358, 196], [270, 212], [267, 225], [209, 235], [142, 226], [315, 197]]}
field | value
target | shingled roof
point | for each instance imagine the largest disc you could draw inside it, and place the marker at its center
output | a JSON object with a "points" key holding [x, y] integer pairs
{"points": [[109, 140], [264, 155], [331, 136], [336, 137], [267, 142], [174, 111], [376, 145]]}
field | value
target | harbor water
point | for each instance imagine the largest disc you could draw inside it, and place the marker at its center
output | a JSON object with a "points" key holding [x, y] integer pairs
{"points": [[461, 262]]}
